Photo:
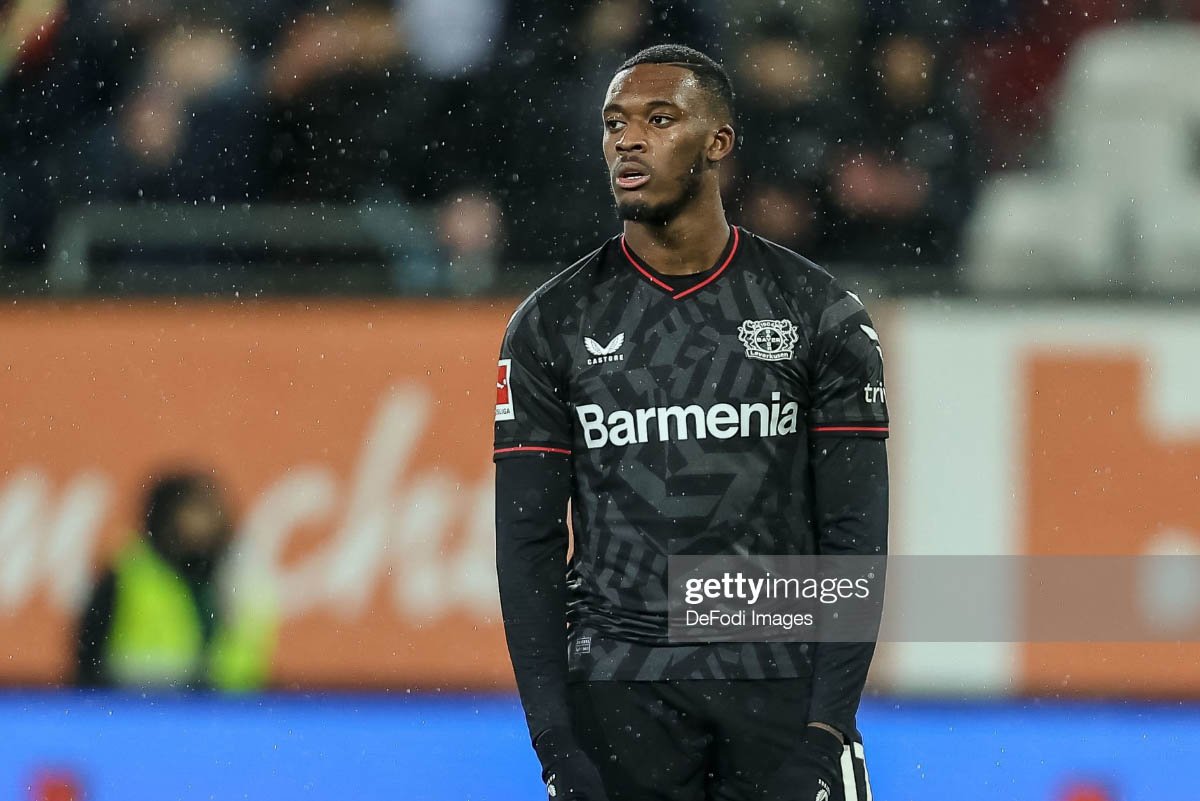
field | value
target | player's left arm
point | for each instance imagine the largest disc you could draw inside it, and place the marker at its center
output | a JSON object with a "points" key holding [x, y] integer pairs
{"points": [[848, 427], [851, 499]]}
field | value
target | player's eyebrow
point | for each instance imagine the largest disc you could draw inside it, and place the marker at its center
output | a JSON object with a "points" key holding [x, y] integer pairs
{"points": [[619, 109]]}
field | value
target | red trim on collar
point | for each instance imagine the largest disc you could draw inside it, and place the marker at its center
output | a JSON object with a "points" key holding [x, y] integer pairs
{"points": [[648, 276], [718, 272], [663, 285]]}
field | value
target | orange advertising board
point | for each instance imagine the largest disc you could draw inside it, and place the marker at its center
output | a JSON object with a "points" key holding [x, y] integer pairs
{"points": [[1102, 480], [354, 439], [1054, 431]]}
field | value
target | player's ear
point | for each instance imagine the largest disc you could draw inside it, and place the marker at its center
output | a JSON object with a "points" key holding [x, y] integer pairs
{"points": [[721, 144]]}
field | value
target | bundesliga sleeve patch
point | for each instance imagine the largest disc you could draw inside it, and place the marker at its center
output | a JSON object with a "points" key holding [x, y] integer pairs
{"points": [[504, 403]]}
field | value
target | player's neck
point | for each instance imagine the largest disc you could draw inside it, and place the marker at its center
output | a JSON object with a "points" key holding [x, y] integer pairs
{"points": [[690, 243]]}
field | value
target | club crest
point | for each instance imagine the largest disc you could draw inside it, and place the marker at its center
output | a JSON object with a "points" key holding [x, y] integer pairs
{"points": [[769, 340]]}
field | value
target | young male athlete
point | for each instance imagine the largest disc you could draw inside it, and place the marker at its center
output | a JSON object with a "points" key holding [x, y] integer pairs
{"points": [[689, 388]]}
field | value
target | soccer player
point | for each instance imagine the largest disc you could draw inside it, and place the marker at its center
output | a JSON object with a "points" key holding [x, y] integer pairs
{"points": [[633, 386]]}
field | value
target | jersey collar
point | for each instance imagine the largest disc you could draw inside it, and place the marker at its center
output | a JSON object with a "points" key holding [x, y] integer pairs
{"points": [[661, 281]]}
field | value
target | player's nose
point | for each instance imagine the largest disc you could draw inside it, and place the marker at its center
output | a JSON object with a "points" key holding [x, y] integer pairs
{"points": [[631, 141]]}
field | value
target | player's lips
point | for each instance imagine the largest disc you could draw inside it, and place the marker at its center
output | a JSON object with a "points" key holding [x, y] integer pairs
{"points": [[632, 175]]}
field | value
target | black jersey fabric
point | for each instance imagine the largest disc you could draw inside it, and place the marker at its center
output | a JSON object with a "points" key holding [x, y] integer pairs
{"points": [[851, 500], [687, 415]]}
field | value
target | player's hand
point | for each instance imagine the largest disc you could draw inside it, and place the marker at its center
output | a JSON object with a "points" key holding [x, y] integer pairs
{"points": [[567, 771], [813, 773], [573, 778]]}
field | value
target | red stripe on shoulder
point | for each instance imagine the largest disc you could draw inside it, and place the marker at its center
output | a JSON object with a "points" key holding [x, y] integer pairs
{"points": [[873, 429], [535, 448]]}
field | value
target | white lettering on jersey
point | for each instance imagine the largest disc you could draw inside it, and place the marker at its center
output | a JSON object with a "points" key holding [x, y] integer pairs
{"points": [[604, 353], [663, 423]]}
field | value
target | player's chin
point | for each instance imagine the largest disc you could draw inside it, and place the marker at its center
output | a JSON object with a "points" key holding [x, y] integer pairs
{"points": [[634, 209]]}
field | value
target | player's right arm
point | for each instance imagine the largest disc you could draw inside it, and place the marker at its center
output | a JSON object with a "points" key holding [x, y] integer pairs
{"points": [[533, 487]]}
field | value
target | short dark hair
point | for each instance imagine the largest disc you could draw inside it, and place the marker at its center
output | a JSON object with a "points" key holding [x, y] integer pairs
{"points": [[168, 493], [711, 76]]}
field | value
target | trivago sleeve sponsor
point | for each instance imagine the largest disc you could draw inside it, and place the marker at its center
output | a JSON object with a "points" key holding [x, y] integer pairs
{"points": [[849, 398]]}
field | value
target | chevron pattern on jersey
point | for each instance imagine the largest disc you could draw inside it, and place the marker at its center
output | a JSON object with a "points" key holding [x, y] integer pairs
{"points": [[683, 438]]}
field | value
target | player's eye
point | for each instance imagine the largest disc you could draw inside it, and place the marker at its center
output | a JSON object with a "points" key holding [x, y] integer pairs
{"points": [[660, 119], [613, 124]]}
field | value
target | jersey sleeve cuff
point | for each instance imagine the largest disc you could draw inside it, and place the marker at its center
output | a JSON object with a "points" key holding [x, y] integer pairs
{"points": [[507, 450], [869, 430]]}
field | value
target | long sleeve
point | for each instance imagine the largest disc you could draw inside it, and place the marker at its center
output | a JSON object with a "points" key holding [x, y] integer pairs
{"points": [[532, 492], [850, 482], [848, 425]]}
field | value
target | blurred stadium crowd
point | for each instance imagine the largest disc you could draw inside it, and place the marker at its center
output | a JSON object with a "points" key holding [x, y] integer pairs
{"points": [[866, 128]]}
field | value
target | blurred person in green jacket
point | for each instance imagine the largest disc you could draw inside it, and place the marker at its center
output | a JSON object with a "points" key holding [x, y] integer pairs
{"points": [[162, 617]]}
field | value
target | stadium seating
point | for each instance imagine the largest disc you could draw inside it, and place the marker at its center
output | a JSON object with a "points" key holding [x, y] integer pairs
{"points": [[1118, 206]]}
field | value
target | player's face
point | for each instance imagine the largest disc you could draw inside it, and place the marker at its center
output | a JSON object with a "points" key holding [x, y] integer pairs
{"points": [[659, 132]]}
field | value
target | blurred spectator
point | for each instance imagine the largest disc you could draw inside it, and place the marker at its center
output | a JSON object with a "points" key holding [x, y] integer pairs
{"points": [[863, 125], [26, 30], [60, 70], [469, 233], [452, 39], [189, 131], [347, 113], [553, 183], [829, 27], [784, 126], [364, 107], [161, 617], [937, 18], [88, 81], [901, 181], [552, 145]]}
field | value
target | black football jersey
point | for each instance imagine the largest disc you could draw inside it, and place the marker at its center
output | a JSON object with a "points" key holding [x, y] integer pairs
{"points": [[687, 407]]}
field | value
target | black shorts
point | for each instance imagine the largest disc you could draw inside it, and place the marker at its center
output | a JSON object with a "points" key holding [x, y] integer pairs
{"points": [[699, 740]]}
